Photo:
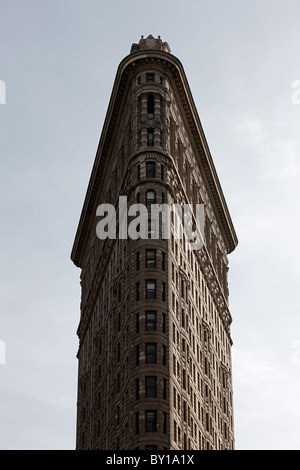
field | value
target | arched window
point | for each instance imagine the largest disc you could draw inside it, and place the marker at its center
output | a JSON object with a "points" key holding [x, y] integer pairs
{"points": [[150, 198]]}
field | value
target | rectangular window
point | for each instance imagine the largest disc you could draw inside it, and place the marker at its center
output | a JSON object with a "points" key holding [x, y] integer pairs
{"points": [[137, 389], [150, 170], [139, 172], [138, 261], [183, 379], [137, 291], [182, 288], [150, 258], [150, 320], [151, 386], [150, 138], [137, 354], [151, 421], [162, 172], [163, 322], [150, 289], [164, 355], [151, 353], [137, 423], [163, 291], [137, 322]]}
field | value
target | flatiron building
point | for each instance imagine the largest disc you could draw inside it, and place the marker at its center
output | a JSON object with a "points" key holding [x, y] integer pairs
{"points": [[154, 357]]}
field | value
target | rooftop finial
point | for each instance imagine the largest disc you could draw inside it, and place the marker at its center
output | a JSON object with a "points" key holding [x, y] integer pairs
{"points": [[150, 43]]}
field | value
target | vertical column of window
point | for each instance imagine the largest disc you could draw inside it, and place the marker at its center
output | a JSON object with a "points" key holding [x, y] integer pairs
{"points": [[180, 158], [137, 132], [157, 118], [150, 115], [188, 179], [144, 135], [172, 138]]}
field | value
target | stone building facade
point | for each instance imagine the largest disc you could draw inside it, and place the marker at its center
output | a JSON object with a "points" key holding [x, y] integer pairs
{"points": [[154, 358]]}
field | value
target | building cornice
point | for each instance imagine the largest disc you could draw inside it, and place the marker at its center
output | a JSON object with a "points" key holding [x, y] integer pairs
{"points": [[117, 101]]}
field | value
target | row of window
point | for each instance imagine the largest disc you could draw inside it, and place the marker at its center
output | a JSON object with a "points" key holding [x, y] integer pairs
{"points": [[151, 290]]}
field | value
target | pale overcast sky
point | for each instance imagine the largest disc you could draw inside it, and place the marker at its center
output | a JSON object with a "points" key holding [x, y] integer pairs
{"points": [[58, 60]]}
